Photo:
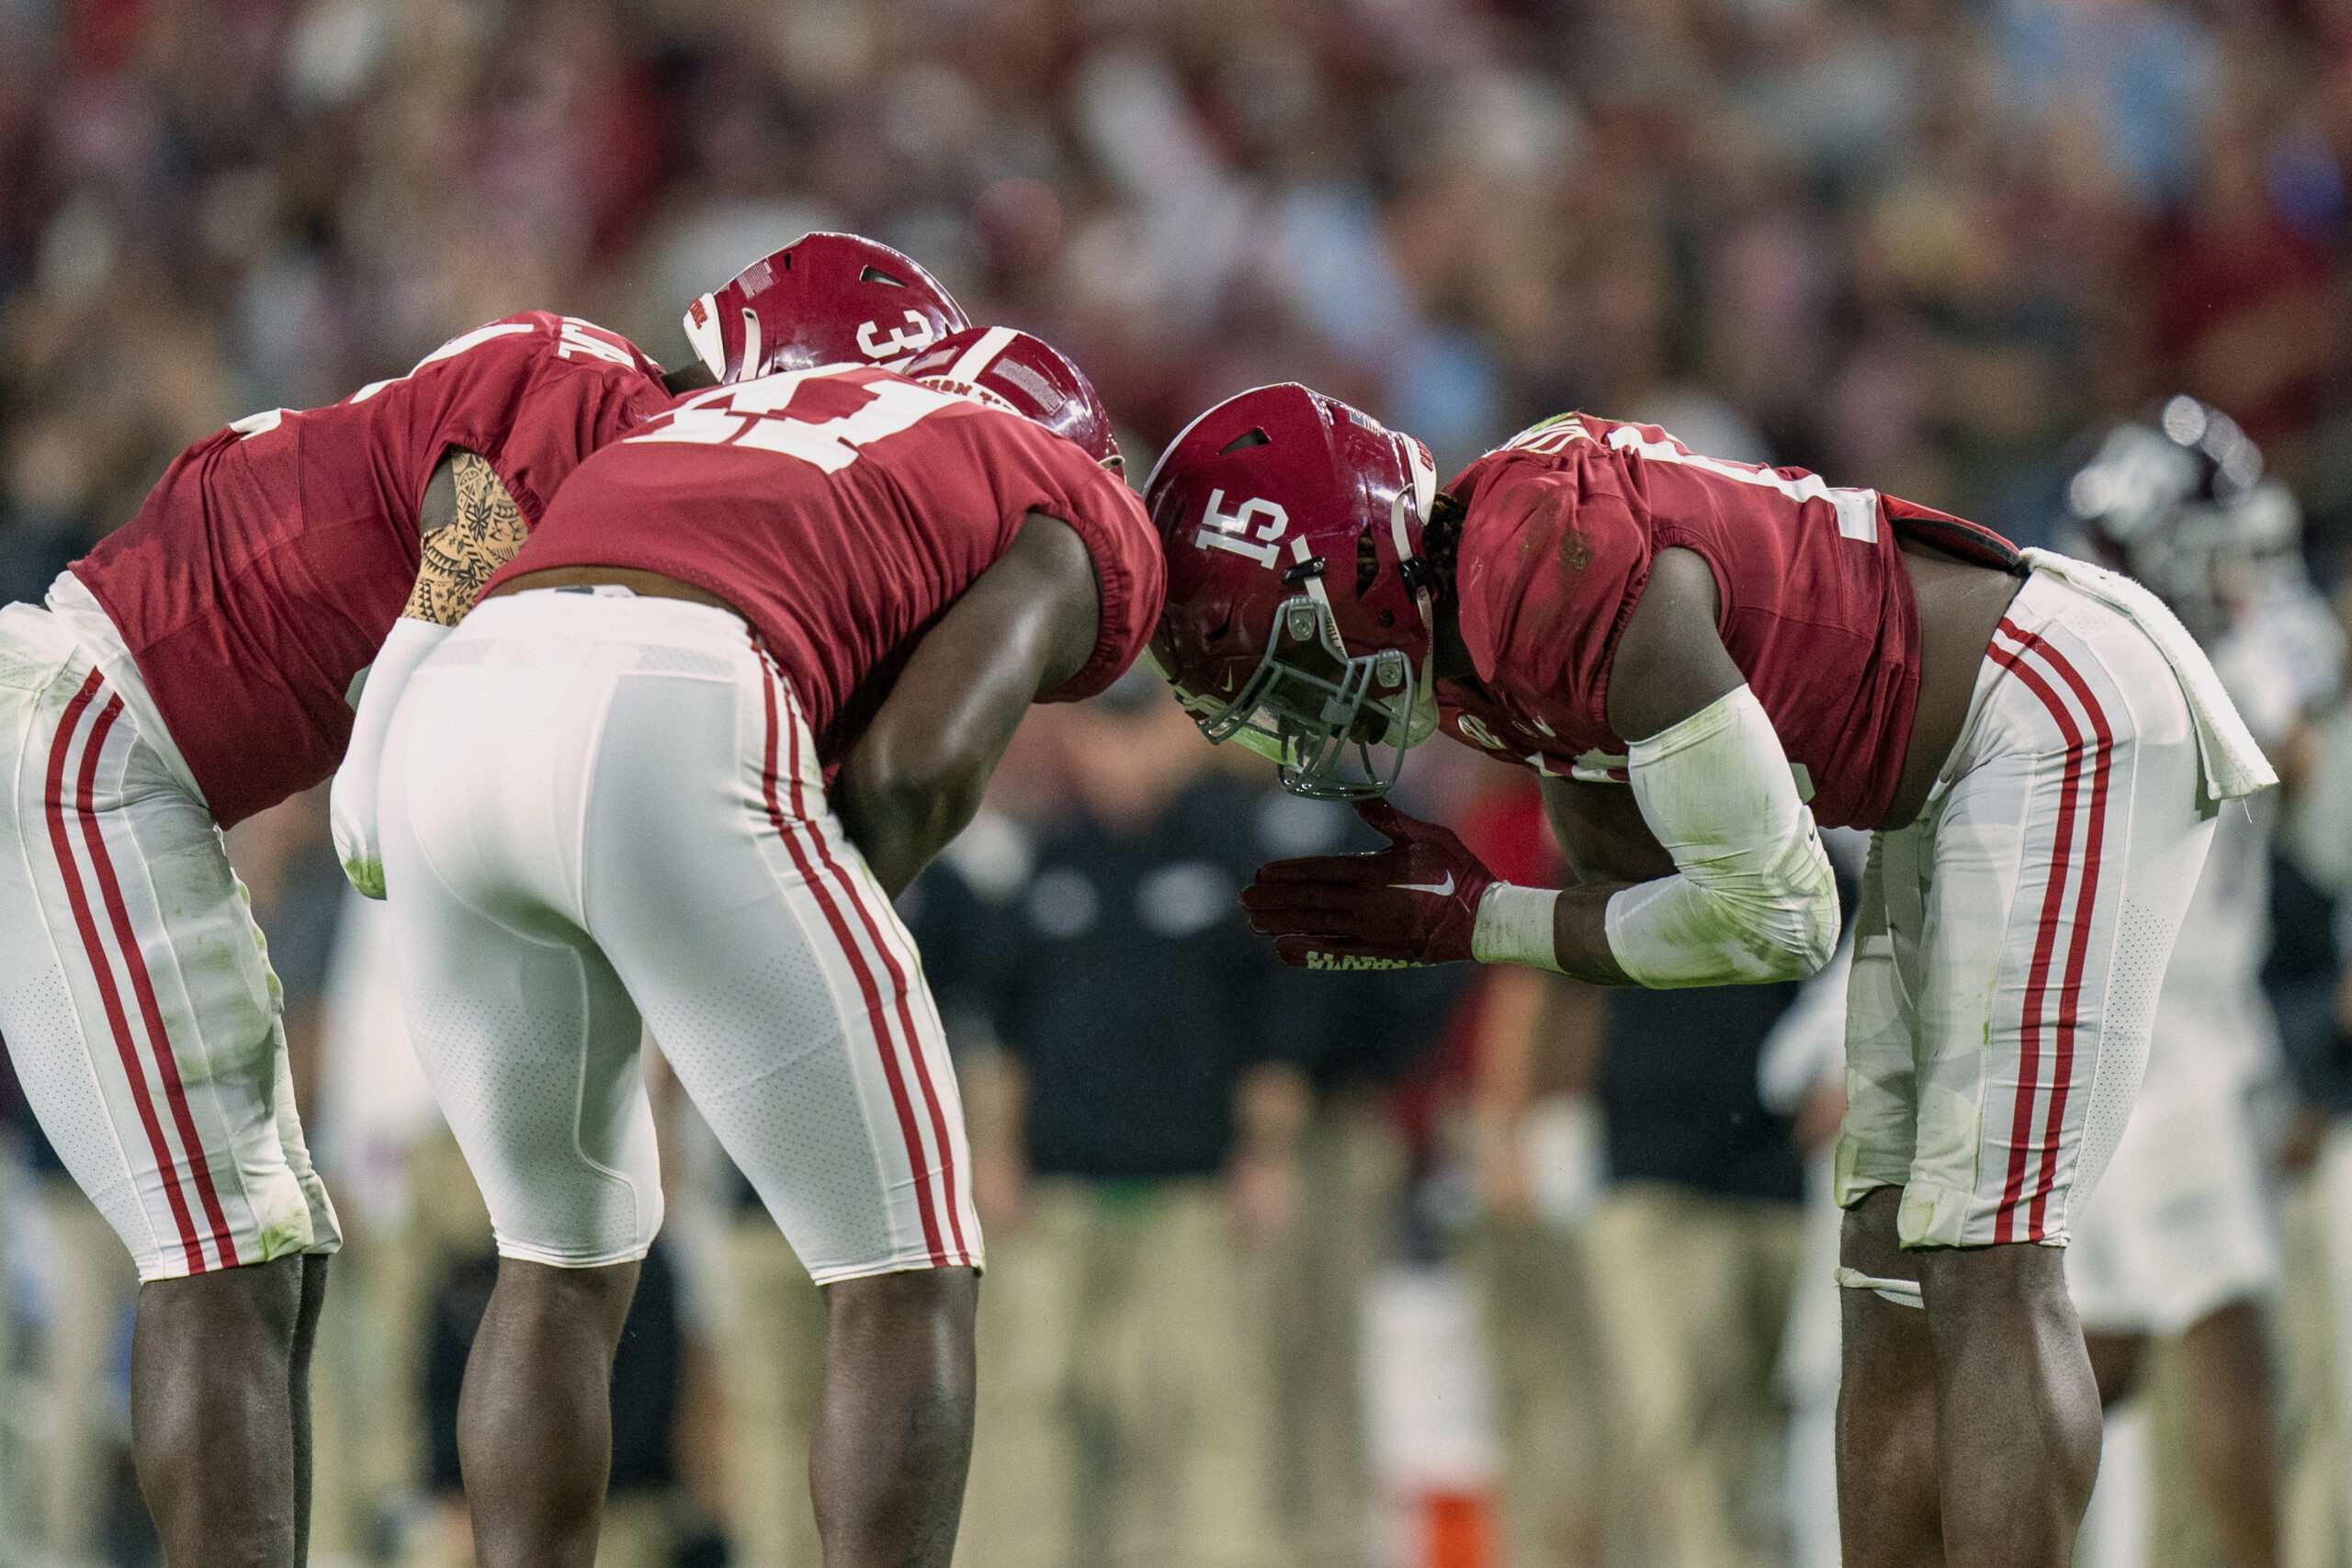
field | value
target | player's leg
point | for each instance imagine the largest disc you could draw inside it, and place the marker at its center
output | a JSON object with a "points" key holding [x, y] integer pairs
{"points": [[789, 1000], [2065, 853], [1887, 1508], [894, 1436], [531, 1045], [2233, 1442], [140, 1009], [2017, 1409], [2116, 1360], [298, 1392], [535, 1423], [1889, 1514], [212, 1379]]}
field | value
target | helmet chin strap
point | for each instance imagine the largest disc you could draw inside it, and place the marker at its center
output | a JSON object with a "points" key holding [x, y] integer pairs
{"points": [[1422, 722]]}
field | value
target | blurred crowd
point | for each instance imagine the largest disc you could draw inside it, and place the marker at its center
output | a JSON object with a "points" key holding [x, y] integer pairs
{"points": [[1281, 1273]]}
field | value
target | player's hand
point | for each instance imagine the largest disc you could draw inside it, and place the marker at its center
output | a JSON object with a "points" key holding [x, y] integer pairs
{"points": [[1414, 902]]}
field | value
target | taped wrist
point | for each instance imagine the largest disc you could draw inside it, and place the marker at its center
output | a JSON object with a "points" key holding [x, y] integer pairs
{"points": [[1514, 926], [1752, 898]]}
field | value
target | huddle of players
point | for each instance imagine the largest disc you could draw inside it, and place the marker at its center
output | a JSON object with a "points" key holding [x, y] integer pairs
{"points": [[646, 693]]}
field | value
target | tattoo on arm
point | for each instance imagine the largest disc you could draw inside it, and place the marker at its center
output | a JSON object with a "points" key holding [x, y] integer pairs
{"points": [[461, 555]]}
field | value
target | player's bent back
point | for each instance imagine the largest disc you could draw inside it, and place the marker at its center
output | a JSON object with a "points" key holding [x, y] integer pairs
{"points": [[599, 801], [197, 667]]}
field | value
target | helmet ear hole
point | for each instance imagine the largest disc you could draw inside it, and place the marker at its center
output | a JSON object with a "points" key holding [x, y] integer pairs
{"points": [[1367, 563]]}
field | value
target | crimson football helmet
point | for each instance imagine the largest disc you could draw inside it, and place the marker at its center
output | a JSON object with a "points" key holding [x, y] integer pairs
{"points": [[822, 300], [1298, 619], [1023, 375]]}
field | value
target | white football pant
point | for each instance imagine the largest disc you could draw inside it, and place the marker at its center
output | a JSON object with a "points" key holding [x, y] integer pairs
{"points": [[2012, 940], [598, 807], [135, 990]]}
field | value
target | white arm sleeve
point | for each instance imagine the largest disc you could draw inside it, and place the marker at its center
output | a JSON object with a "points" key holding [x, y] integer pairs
{"points": [[351, 800], [1752, 898]]}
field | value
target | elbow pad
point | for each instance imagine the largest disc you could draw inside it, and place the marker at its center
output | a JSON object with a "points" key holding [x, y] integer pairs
{"points": [[1753, 898], [351, 799]]}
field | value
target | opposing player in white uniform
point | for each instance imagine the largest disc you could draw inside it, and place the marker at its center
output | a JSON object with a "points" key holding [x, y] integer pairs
{"points": [[2180, 1239]]}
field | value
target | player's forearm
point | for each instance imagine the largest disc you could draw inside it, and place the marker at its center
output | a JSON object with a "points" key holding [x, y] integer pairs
{"points": [[898, 820], [1565, 931]]}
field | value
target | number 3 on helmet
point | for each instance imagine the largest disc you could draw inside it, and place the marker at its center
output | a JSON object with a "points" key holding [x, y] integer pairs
{"points": [[822, 300], [1298, 615]]}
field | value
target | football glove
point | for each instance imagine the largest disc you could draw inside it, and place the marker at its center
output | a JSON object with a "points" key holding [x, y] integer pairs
{"points": [[1415, 902]]}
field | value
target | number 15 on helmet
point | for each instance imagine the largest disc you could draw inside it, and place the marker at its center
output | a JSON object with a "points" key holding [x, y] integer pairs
{"points": [[1298, 616]]}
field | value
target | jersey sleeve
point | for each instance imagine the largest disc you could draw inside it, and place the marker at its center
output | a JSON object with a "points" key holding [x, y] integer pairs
{"points": [[590, 388], [1128, 566], [1031, 469], [534, 395], [1552, 560]]}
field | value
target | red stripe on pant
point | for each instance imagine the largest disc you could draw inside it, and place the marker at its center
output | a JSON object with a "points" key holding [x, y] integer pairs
{"points": [[909, 1133], [2085, 901], [2022, 1141], [143, 986], [53, 801], [901, 990]]}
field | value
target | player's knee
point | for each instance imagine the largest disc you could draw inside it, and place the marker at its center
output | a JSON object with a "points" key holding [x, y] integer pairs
{"points": [[256, 1306], [2015, 1281], [912, 1300], [1868, 1241], [543, 1293]]}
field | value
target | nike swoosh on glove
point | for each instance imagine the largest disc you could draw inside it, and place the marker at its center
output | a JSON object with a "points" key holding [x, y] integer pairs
{"points": [[1415, 902]]}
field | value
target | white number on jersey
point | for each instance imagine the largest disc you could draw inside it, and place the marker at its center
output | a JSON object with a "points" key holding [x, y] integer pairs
{"points": [[575, 336], [752, 413], [1857, 510]]}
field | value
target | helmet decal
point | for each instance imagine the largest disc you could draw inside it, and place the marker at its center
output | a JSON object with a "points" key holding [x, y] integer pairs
{"points": [[823, 300], [1011, 371], [1326, 672]]}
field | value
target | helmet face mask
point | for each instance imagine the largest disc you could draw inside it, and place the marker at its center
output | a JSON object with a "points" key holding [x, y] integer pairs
{"points": [[1337, 724], [1298, 616]]}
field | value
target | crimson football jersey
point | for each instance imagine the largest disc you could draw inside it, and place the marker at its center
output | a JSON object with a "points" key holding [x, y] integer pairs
{"points": [[841, 512], [269, 561], [1816, 604]]}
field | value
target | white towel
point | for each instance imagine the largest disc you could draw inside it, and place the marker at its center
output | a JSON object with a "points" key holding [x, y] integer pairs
{"points": [[2235, 765]]}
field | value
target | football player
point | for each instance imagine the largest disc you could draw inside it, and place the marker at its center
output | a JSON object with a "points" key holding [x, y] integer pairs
{"points": [[2181, 1239], [201, 664], [1702, 660], [751, 672]]}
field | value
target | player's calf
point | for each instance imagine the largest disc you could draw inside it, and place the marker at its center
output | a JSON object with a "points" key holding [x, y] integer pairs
{"points": [[894, 1439], [2018, 1410], [1888, 1511], [534, 1419], [214, 1384]]}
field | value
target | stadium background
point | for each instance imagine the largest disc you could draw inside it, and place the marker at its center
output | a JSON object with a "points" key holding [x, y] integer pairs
{"points": [[1917, 245]]}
